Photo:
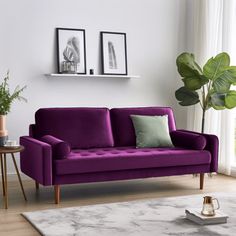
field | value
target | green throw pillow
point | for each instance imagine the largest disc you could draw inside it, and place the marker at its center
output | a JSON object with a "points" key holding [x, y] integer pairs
{"points": [[151, 131]]}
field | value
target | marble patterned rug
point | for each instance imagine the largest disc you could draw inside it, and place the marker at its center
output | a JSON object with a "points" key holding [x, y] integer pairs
{"points": [[162, 216]]}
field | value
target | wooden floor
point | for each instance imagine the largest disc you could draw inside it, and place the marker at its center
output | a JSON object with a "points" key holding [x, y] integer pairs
{"points": [[12, 223]]}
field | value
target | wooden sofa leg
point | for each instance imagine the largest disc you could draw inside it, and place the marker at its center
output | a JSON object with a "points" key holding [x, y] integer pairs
{"points": [[36, 185], [57, 194], [201, 180]]}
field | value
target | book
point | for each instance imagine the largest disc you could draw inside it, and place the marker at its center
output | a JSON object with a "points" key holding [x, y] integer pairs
{"points": [[196, 216]]}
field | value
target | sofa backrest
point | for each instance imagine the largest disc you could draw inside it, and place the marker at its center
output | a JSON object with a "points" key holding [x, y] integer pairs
{"points": [[80, 127], [122, 126]]}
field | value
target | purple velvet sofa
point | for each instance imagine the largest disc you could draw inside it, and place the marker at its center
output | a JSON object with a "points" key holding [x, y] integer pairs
{"points": [[82, 145]]}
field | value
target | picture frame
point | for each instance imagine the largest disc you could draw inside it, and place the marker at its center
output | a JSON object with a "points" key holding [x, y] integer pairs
{"points": [[114, 53], [71, 51]]}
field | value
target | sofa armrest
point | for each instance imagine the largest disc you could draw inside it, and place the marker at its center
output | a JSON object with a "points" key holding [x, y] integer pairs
{"points": [[188, 140], [36, 160], [60, 148], [212, 145]]}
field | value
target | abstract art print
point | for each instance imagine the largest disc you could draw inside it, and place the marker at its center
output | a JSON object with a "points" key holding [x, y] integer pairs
{"points": [[71, 51], [114, 53]]}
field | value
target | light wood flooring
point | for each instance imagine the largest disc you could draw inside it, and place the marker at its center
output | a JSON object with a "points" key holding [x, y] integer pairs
{"points": [[12, 223]]}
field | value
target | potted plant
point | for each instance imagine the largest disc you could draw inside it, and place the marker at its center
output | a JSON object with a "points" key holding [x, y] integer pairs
{"points": [[210, 86], [6, 100]]}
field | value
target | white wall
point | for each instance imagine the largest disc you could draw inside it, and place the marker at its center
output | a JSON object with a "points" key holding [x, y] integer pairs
{"points": [[155, 36]]}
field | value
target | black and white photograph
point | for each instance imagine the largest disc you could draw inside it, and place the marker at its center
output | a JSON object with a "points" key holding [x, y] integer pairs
{"points": [[114, 53], [71, 51]]}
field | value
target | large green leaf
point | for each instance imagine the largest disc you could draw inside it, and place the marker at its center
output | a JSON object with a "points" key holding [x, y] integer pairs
{"points": [[223, 82], [194, 83], [186, 97], [217, 100], [230, 99], [186, 71], [225, 79], [190, 71], [232, 71], [187, 67], [215, 66]]}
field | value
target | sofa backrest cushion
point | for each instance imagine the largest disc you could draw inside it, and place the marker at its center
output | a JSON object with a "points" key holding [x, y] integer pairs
{"points": [[80, 127], [122, 126]]}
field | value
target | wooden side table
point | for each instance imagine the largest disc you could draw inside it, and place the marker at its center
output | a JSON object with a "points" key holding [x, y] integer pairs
{"points": [[3, 159]]}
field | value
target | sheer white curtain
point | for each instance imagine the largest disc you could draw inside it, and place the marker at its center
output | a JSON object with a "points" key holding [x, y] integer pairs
{"points": [[213, 32]]}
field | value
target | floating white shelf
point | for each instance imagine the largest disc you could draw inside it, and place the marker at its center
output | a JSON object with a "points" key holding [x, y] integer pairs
{"points": [[84, 76]]}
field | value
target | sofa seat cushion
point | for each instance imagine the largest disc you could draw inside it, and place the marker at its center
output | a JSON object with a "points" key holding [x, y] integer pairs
{"points": [[128, 158]]}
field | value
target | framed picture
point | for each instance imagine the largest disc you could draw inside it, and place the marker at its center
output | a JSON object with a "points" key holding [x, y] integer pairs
{"points": [[71, 50], [114, 53]]}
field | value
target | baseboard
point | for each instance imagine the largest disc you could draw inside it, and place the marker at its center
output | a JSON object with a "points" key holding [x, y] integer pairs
{"points": [[233, 171], [13, 177]]}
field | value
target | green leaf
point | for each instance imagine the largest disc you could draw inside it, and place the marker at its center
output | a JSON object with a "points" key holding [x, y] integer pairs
{"points": [[232, 71], [186, 97], [187, 67], [217, 100], [186, 71], [6, 98], [215, 66], [194, 83], [230, 99], [223, 82], [190, 71]]}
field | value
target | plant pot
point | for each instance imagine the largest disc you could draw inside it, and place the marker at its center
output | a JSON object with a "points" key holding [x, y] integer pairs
{"points": [[3, 131]]}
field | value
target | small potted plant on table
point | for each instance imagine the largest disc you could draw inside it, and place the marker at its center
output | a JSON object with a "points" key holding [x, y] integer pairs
{"points": [[6, 100]]}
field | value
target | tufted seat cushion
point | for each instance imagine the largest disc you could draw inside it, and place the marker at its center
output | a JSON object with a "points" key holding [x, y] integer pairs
{"points": [[125, 158]]}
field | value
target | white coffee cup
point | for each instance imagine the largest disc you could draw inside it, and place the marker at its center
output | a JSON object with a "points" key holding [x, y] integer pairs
{"points": [[11, 143]]}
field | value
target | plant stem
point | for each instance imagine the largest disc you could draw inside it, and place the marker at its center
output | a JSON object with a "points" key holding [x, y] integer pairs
{"points": [[203, 95], [203, 120]]}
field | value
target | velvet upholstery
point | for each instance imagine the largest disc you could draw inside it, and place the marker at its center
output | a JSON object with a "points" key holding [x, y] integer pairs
{"points": [[32, 131], [129, 175], [123, 129], [60, 149], [80, 127], [128, 158], [212, 146], [36, 160], [95, 156], [188, 140]]}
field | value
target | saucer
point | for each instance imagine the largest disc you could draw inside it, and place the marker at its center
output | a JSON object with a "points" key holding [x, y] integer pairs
{"points": [[11, 147]]}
